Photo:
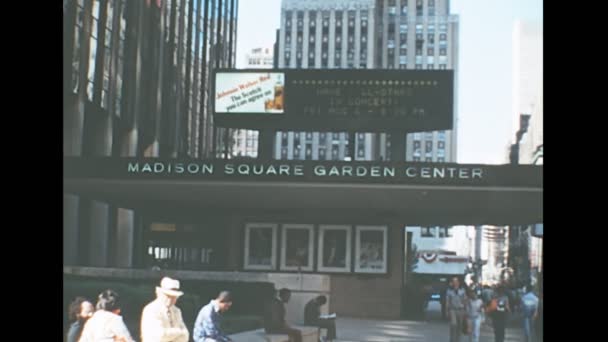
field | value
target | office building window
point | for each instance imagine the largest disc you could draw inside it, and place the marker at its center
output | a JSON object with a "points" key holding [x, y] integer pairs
{"points": [[445, 232], [427, 231]]}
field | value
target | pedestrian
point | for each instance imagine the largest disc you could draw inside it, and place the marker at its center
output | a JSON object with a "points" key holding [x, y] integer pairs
{"points": [[79, 312], [499, 307], [529, 303], [474, 309], [207, 327], [106, 324], [161, 319], [455, 300], [274, 317]]}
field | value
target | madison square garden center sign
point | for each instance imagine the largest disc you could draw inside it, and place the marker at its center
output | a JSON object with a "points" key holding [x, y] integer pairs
{"points": [[345, 100]]}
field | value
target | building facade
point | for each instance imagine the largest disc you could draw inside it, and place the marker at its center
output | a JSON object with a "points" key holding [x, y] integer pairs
{"points": [[386, 34], [136, 84]]}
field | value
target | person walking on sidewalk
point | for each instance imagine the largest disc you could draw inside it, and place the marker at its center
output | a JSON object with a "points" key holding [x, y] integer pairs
{"points": [[500, 308], [474, 309], [529, 303], [455, 301]]}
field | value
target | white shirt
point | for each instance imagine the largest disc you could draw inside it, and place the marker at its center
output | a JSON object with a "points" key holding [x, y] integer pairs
{"points": [[104, 326], [160, 323]]}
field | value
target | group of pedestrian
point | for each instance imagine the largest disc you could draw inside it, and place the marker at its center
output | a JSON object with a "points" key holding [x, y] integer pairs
{"points": [[467, 308]]}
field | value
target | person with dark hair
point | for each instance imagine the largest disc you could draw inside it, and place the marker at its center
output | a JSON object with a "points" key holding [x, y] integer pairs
{"points": [[274, 317], [474, 311], [106, 323], [312, 316], [499, 309], [79, 312], [161, 320], [530, 312], [455, 301], [207, 327]]}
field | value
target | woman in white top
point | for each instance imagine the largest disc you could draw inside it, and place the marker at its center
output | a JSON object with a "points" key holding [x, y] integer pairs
{"points": [[106, 324], [474, 309]]}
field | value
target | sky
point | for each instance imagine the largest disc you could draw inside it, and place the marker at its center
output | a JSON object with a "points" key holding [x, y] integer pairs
{"points": [[484, 77]]}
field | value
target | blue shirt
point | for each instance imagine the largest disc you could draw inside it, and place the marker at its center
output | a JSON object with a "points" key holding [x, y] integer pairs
{"points": [[208, 324], [530, 304]]}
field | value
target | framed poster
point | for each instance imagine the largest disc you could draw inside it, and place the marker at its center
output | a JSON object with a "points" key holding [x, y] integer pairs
{"points": [[297, 247], [260, 246], [371, 249], [334, 248]]}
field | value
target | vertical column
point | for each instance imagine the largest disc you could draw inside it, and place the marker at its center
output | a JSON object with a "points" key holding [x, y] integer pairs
{"points": [[281, 56], [384, 36], [370, 146], [371, 39], [315, 146], [70, 229], [305, 28], [74, 115], [344, 45], [265, 144], [332, 39], [294, 39], [357, 38], [278, 144], [318, 38], [343, 138], [290, 154], [397, 146], [98, 238], [125, 227]]}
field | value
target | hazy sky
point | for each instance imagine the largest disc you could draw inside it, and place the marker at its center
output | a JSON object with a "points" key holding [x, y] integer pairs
{"points": [[484, 83]]}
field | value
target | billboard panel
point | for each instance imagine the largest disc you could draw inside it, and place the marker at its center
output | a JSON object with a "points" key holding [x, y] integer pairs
{"points": [[330, 100], [246, 92]]}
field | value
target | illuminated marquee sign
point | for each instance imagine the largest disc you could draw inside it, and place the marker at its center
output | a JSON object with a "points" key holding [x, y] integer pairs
{"points": [[326, 100]]}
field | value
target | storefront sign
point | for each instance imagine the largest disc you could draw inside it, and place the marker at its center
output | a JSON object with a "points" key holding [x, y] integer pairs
{"points": [[305, 171]]}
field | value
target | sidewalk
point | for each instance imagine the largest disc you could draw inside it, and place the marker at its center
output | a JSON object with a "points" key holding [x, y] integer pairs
{"points": [[367, 330]]}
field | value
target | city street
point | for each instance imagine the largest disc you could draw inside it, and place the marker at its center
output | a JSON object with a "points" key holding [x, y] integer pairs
{"points": [[364, 330]]}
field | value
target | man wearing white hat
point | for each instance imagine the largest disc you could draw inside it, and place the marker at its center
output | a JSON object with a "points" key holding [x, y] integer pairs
{"points": [[161, 320]]}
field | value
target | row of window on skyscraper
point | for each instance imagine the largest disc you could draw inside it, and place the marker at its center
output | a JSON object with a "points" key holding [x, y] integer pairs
{"points": [[147, 63]]}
